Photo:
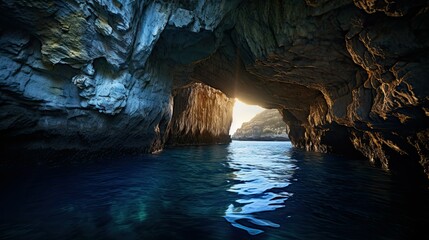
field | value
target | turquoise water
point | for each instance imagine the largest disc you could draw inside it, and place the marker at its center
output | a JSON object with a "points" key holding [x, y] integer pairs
{"points": [[244, 190]]}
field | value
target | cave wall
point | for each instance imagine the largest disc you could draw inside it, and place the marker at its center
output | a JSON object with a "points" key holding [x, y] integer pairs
{"points": [[59, 107], [201, 115], [346, 75], [84, 75]]}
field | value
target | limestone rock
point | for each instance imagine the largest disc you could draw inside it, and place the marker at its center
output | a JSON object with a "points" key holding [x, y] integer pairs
{"points": [[265, 126], [85, 84], [201, 115], [395, 8], [61, 107], [181, 18], [103, 27]]}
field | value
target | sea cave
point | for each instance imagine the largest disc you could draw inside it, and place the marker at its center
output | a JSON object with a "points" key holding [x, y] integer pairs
{"points": [[93, 85]]}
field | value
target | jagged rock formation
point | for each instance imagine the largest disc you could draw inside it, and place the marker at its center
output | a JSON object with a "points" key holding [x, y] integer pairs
{"points": [[265, 126], [83, 75], [345, 74], [201, 115]]}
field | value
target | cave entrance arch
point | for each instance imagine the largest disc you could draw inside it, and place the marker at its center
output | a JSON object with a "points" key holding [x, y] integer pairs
{"points": [[255, 123], [243, 112], [205, 115]]}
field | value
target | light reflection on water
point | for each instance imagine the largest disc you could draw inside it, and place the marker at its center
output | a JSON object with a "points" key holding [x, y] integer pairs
{"points": [[245, 190], [260, 176]]}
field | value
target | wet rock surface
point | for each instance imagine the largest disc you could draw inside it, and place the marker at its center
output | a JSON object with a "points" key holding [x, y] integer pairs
{"points": [[346, 75]]}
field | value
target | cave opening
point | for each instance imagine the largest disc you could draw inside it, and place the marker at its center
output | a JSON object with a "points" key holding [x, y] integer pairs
{"points": [[255, 123], [243, 112]]}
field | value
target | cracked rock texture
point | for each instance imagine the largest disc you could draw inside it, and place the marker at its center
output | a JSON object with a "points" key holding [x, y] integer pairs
{"points": [[347, 76], [201, 115]]}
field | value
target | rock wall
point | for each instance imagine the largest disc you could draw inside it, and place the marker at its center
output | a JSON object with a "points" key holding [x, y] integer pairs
{"points": [[84, 75], [59, 107], [201, 115], [346, 75]]}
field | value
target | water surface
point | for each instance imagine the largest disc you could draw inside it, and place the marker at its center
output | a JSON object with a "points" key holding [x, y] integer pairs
{"points": [[244, 190]]}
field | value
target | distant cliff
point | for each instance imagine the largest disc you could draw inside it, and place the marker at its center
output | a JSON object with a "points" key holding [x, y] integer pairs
{"points": [[266, 126]]}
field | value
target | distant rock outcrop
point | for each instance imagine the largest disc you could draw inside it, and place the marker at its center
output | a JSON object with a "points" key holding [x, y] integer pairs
{"points": [[266, 126]]}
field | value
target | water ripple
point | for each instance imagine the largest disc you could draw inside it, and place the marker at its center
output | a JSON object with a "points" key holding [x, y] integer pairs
{"points": [[213, 192], [260, 181]]}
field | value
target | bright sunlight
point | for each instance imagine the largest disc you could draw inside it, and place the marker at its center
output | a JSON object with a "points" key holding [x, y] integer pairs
{"points": [[243, 113]]}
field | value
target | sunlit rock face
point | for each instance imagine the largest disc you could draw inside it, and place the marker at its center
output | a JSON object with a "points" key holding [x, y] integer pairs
{"points": [[265, 126], [201, 115], [347, 75]]}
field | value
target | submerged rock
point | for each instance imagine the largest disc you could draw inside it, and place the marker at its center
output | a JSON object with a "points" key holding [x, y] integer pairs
{"points": [[346, 75]]}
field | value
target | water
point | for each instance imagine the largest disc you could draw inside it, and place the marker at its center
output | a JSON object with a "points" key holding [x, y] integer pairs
{"points": [[245, 190]]}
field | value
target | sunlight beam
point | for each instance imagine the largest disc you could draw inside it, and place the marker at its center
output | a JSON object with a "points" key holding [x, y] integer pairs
{"points": [[243, 113]]}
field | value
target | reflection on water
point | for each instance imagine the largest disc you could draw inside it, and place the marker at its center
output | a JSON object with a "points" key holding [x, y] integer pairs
{"points": [[260, 176], [245, 190]]}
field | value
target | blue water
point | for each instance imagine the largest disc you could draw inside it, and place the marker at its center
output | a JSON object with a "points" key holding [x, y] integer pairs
{"points": [[244, 190]]}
